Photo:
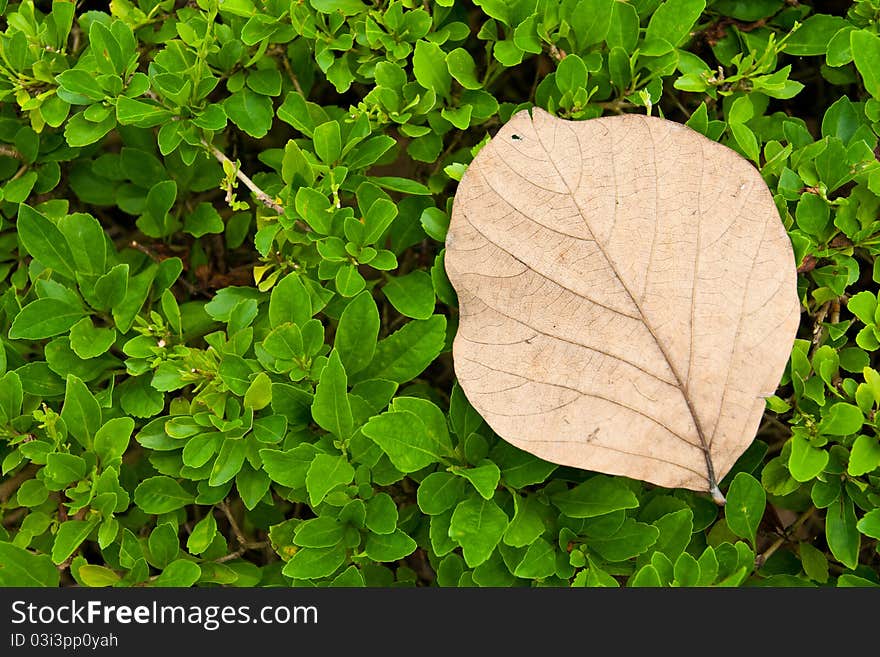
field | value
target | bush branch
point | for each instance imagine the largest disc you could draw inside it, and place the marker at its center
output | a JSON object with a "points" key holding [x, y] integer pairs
{"points": [[262, 196], [761, 559]]}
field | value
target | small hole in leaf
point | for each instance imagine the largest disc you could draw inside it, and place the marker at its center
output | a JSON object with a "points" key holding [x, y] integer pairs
{"points": [[515, 137]]}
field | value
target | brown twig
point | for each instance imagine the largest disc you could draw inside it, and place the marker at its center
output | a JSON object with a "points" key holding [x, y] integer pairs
{"points": [[9, 487], [10, 151], [262, 196], [11, 518], [289, 70], [618, 105], [21, 171], [243, 542], [818, 329], [761, 559]]}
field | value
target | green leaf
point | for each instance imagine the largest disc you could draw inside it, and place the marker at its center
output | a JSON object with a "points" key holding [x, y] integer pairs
{"points": [[590, 21], [155, 221], [288, 468], [110, 289], [674, 19], [805, 461], [841, 532], [44, 241], [326, 473], [202, 534], [538, 562], [746, 500], [252, 485], [266, 81], [356, 333], [623, 31], [70, 536], [328, 142], [330, 407], [461, 66], [11, 396], [595, 497], [312, 563], [345, 7], [842, 419], [686, 571], [81, 132], [112, 439], [161, 494], [747, 141], [87, 242], [18, 190], [88, 341], [250, 111], [406, 353], [259, 392], [864, 306], [97, 576], [178, 574], [320, 532], [412, 295], [81, 82], [435, 222], [434, 420], [389, 547], [234, 371], [295, 168], [204, 220], [44, 318], [403, 185], [403, 436], [290, 302], [866, 55], [381, 514], [477, 525], [377, 218], [519, 468], [439, 492], [814, 563], [484, 478], [20, 568], [676, 529], [33, 492], [812, 37], [349, 281], [864, 456], [429, 67], [813, 214], [140, 114], [64, 469], [632, 539], [647, 576], [81, 411], [571, 74], [527, 523], [869, 525], [229, 460]]}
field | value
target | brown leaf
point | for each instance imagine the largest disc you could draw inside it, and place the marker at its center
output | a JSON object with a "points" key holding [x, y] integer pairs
{"points": [[627, 294]]}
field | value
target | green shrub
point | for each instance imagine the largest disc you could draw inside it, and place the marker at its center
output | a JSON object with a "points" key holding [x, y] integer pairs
{"points": [[226, 325]]}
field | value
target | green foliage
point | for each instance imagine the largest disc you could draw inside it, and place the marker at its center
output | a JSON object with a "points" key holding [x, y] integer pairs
{"points": [[226, 328]]}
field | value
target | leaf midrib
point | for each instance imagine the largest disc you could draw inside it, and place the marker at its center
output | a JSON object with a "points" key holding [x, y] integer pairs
{"points": [[704, 445]]}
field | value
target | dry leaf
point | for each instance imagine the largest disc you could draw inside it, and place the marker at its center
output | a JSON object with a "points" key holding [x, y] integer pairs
{"points": [[627, 293]]}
